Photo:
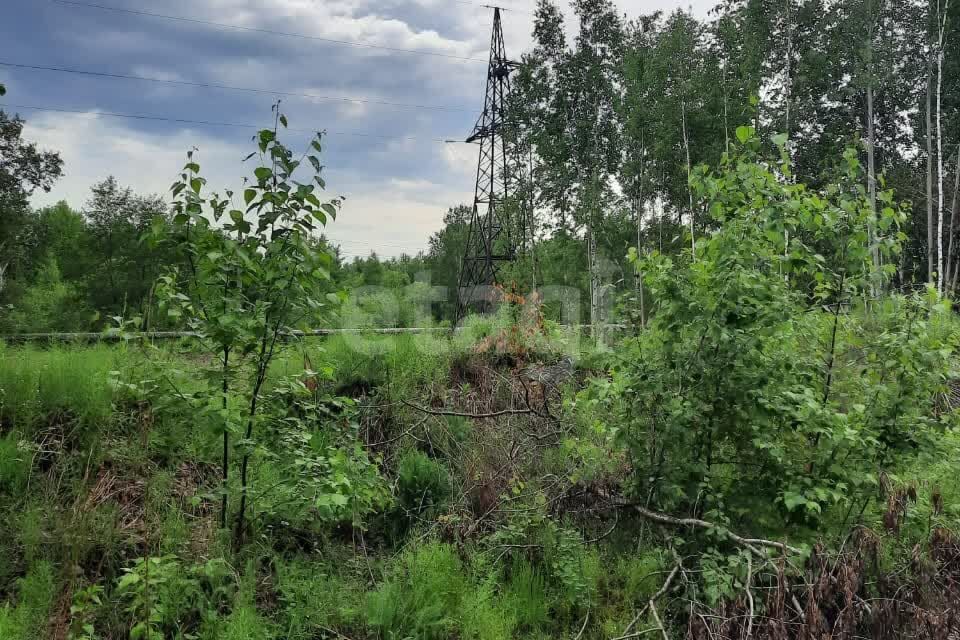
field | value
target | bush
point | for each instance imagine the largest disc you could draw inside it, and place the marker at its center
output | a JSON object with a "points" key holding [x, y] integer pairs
{"points": [[422, 483], [49, 304]]}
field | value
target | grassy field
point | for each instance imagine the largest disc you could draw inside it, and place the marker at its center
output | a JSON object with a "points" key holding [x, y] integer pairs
{"points": [[375, 511]]}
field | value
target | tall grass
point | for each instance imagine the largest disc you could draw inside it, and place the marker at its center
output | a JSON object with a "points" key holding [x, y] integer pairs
{"points": [[365, 361], [36, 383]]}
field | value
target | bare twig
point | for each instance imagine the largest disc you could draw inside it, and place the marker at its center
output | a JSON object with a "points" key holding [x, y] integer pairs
{"points": [[659, 594], [656, 617], [749, 596], [584, 626]]}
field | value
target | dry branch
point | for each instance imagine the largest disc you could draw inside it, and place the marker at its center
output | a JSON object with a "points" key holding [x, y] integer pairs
{"points": [[476, 416], [650, 606], [749, 543]]}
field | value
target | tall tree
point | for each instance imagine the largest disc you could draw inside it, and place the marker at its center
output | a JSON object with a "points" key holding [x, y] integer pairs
{"points": [[23, 169]]}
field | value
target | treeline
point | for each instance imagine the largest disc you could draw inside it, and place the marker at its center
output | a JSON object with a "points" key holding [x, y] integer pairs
{"points": [[615, 117], [618, 116]]}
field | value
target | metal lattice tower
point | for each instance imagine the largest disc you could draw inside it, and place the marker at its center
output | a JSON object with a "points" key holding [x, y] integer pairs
{"points": [[493, 237]]}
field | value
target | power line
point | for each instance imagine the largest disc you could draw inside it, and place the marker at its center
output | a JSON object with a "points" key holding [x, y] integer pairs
{"points": [[206, 85], [289, 34], [212, 123]]}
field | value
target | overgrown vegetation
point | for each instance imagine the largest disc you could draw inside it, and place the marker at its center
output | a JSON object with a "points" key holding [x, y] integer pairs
{"points": [[767, 447]]}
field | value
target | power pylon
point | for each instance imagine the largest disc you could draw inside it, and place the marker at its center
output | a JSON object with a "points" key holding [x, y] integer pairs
{"points": [[492, 237]]}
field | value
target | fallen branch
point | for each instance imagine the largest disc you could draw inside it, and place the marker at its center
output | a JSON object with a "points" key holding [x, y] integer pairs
{"points": [[650, 605], [656, 617], [749, 597], [475, 416], [584, 627], [750, 543]]}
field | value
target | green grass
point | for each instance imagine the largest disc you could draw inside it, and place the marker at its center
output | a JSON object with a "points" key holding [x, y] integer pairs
{"points": [[28, 619], [14, 464], [357, 363], [36, 384]]}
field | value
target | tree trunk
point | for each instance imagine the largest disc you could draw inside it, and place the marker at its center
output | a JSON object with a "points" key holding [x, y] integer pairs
{"points": [[686, 147], [872, 189], [594, 283], [931, 222], [952, 267], [940, 155], [788, 80]]}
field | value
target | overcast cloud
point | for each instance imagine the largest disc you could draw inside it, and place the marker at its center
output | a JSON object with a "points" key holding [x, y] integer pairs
{"points": [[390, 162]]}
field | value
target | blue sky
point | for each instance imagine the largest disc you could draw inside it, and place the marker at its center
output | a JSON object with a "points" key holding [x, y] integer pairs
{"points": [[389, 161]]}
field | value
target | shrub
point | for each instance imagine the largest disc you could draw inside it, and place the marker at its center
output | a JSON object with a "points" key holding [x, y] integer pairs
{"points": [[422, 483]]}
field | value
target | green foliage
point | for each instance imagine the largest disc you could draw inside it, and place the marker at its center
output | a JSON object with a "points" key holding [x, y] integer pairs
{"points": [[757, 380], [313, 599], [319, 472], [28, 619], [422, 597], [250, 281], [571, 571], [526, 596], [244, 621], [422, 484], [146, 587], [163, 598], [37, 385], [15, 459], [85, 602], [48, 304]]}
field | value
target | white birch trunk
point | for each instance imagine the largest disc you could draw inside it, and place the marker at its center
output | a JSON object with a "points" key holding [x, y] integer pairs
{"points": [[686, 147], [942, 20]]}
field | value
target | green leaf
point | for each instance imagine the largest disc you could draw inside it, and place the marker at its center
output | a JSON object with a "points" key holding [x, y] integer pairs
{"points": [[263, 173], [249, 195], [316, 163], [793, 500], [283, 120], [744, 133], [128, 580]]}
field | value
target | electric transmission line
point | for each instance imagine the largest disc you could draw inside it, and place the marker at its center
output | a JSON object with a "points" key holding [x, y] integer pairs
{"points": [[288, 34], [209, 85], [214, 123]]}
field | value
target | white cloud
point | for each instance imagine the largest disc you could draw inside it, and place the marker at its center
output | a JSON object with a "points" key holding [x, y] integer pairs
{"points": [[390, 217], [398, 189], [95, 147]]}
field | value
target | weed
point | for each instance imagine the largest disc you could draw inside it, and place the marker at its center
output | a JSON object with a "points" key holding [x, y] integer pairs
{"points": [[422, 599], [314, 600], [36, 385], [14, 464], [28, 619], [526, 595]]}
